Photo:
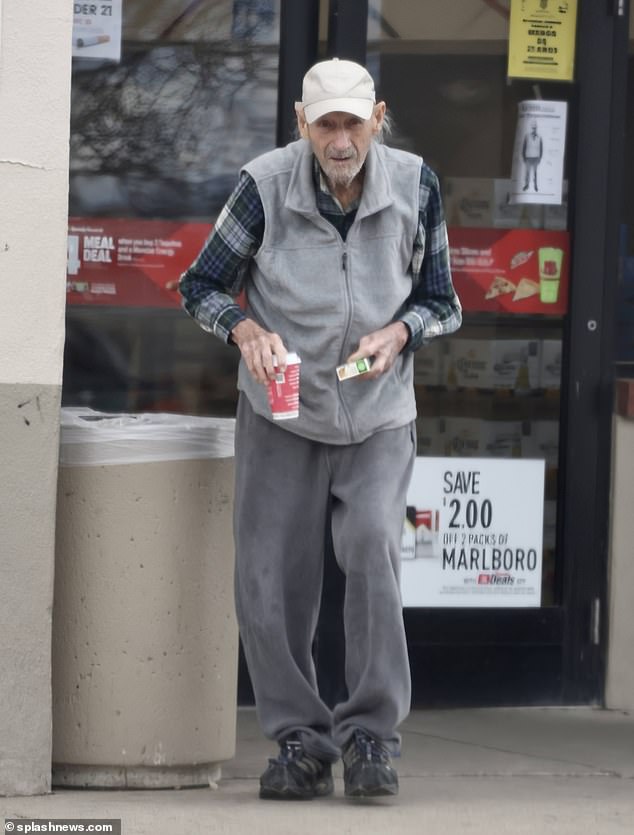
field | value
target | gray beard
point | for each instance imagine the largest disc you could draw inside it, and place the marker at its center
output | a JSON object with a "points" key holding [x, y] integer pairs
{"points": [[342, 176]]}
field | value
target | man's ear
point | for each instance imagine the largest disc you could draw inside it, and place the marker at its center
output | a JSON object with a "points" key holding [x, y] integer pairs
{"points": [[378, 114], [302, 125]]}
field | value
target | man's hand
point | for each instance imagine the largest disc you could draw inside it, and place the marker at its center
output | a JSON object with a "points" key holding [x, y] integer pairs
{"points": [[258, 347], [383, 346]]}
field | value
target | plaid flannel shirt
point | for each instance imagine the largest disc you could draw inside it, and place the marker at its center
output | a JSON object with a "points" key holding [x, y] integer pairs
{"points": [[210, 286]]}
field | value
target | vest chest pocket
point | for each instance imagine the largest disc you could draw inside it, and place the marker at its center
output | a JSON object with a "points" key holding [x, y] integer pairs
{"points": [[301, 280]]}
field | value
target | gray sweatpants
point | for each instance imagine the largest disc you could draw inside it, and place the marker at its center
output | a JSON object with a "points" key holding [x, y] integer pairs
{"points": [[283, 488]]}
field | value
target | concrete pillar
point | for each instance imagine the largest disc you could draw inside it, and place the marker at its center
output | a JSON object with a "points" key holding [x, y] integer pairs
{"points": [[619, 691], [145, 642], [35, 63]]}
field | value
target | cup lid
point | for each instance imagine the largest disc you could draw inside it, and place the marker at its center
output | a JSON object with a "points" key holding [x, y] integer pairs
{"points": [[291, 358]]}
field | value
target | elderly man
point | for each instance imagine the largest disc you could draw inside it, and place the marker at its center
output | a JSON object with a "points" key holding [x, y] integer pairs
{"points": [[341, 247]]}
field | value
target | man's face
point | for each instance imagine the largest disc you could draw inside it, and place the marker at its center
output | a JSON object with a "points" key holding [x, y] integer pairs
{"points": [[341, 141]]}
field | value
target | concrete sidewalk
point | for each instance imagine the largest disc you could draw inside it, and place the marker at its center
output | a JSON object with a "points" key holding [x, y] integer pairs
{"points": [[504, 770]]}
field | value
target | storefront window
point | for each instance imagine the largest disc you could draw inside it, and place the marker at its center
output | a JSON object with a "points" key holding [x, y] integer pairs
{"points": [[159, 131], [493, 389]]}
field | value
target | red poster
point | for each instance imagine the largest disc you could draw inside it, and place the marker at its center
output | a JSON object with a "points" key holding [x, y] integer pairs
{"points": [[511, 270], [128, 262]]}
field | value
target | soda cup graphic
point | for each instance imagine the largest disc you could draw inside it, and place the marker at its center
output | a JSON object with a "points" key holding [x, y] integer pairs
{"points": [[283, 391], [550, 259]]}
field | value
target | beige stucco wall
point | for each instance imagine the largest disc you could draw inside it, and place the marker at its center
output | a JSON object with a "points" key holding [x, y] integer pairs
{"points": [[35, 44], [620, 673]]}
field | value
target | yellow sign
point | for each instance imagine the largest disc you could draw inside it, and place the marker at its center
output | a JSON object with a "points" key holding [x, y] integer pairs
{"points": [[542, 39]]}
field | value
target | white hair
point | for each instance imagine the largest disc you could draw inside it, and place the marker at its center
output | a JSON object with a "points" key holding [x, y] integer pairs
{"points": [[386, 129]]}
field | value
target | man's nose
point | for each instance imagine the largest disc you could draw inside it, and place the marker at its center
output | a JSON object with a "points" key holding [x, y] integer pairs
{"points": [[342, 140]]}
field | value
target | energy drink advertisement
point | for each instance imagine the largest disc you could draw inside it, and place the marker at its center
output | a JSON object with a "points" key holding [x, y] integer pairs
{"points": [[523, 271]]}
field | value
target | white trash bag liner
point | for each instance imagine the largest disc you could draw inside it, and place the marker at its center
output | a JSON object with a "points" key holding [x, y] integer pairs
{"points": [[91, 438]]}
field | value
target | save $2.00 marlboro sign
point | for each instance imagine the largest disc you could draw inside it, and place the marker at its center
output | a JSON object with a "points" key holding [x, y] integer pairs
{"points": [[473, 533]]}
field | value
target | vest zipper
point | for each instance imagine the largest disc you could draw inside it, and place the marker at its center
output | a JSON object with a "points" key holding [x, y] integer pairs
{"points": [[348, 292], [344, 407]]}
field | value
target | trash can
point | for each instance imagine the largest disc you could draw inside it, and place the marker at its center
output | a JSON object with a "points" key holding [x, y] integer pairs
{"points": [[145, 642]]}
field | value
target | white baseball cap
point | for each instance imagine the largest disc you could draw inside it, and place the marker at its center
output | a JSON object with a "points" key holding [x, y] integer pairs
{"points": [[336, 85]]}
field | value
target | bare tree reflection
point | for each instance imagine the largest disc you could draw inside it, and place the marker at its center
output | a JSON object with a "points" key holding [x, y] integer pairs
{"points": [[165, 132]]}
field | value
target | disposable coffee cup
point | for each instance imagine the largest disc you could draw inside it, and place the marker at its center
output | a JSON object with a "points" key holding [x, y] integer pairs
{"points": [[284, 390]]}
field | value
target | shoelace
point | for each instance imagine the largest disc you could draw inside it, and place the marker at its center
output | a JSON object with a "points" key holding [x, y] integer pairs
{"points": [[290, 749], [367, 748]]}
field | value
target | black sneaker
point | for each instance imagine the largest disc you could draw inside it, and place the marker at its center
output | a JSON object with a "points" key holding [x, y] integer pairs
{"points": [[367, 767], [295, 774]]}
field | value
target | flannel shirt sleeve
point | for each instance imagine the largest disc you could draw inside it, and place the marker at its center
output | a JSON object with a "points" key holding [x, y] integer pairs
{"points": [[433, 308], [210, 286]]}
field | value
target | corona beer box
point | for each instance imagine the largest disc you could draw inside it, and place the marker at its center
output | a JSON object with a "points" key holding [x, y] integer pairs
{"points": [[501, 438], [468, 201], [493, 364], [431, 436], [550, 364], [463, 438], [429, 363]]}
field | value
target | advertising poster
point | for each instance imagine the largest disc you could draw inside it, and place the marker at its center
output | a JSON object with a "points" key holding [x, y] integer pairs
{"points": [[473, 533], [97, 30], [542, 39], [130, 263], [538, 153], [511, 270]]}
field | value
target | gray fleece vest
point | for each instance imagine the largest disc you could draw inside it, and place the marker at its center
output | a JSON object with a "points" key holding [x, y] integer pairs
{"points": [[322, 294]]}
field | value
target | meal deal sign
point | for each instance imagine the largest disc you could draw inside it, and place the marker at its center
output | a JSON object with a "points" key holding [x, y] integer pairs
{"points": [[511, 270], [129, 262], [473, 533]]}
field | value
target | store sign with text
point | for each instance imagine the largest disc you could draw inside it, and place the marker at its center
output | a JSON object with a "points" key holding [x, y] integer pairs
{"points": [[130, 263], [538, 153], [542, 39], [97, 30], [473, 533], [511, 270]]}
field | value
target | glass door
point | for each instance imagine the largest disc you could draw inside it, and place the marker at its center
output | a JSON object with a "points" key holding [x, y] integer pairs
{"points": [[527, 378], [492, 390]]}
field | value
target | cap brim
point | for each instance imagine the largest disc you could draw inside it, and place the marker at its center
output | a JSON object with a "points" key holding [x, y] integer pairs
{"points": [[357, 107]]}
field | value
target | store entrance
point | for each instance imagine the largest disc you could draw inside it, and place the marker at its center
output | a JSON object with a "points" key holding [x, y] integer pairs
{"points": [[158, 135], [528, 377]]}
